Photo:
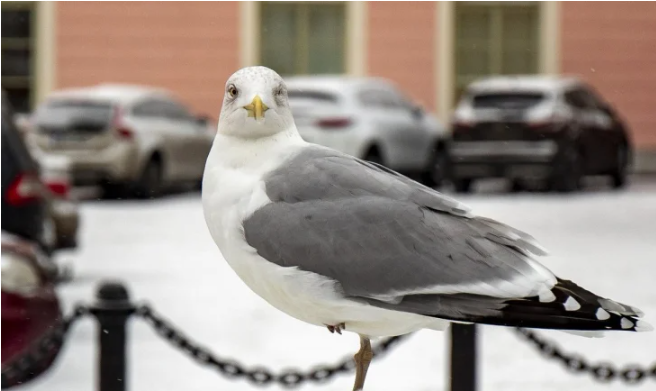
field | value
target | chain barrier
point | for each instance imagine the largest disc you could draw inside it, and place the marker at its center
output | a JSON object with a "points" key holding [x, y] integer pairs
{"points": [[23, 367], [632, 374], [259, 376]]}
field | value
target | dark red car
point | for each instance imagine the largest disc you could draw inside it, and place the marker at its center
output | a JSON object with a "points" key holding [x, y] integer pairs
{"points": [[554, 129], [30, 307]]}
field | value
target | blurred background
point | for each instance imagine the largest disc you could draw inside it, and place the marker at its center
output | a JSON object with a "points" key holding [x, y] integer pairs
{"points": [[539, 114]]}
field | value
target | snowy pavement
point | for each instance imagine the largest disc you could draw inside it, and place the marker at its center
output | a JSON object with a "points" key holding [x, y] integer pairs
{"points": [[603, 240]]}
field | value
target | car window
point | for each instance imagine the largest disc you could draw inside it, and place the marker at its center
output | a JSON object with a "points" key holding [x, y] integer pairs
{"points": [[174, 110], [593, 99], [312, 96], [576, 98], [65, 114], [507, 100], [160, 108], [402, 100], [149, 109], [379, 98]]}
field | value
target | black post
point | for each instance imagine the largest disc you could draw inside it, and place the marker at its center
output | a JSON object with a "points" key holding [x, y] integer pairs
{"points": [[463, 357], [112, 309]]}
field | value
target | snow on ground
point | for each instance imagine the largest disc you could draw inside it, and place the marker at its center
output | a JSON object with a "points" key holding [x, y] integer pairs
{"points": [[601, 239]]}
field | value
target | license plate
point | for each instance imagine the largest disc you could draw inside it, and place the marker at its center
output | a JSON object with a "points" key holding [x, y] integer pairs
{"points": [[500, 130]]}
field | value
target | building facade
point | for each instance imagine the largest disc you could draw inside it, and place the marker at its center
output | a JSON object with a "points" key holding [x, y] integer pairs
{"points": [[431, 49]]}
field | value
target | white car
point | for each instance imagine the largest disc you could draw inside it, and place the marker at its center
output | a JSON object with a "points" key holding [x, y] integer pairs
{"points": [[122, 137], [369, 118]]}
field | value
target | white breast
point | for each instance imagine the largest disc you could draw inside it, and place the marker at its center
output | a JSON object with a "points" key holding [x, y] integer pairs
{"points": [[233, 189]]}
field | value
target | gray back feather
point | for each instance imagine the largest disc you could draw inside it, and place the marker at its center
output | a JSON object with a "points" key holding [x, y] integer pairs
{"points": [[376, 232]]}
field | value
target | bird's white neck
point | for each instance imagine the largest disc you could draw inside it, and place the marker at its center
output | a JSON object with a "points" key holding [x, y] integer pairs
{"points": [[236, 153]]}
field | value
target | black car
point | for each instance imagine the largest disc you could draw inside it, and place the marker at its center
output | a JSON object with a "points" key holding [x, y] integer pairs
{"points": [[23, 203], [550, 128]]}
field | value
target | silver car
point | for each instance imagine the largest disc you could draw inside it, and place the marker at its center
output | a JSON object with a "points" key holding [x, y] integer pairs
{"points": [[369, 118], [122, 137]]}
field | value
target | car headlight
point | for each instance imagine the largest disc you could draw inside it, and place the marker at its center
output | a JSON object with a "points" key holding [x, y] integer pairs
{"points": [[19, 275]]}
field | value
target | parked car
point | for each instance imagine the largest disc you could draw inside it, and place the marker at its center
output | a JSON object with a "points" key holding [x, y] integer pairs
{"points": [[30, 306], [122, 137], [555, 129], [369, 118], [63, 209], [24, 206]]}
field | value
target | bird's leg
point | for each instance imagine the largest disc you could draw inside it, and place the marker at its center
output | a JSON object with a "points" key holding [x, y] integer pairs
{"points": [[362, 359]]}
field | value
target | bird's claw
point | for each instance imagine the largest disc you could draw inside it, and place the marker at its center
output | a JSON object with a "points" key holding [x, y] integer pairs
{"points": [[337, 328]]}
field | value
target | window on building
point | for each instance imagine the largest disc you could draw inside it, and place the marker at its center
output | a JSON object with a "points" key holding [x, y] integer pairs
{"points": [[18, 53], [496, 39], [303, 38]]}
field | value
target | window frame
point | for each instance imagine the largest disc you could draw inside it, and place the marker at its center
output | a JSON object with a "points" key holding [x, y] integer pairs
{"points": [[23, 82], [495, 12], [302, 59]]}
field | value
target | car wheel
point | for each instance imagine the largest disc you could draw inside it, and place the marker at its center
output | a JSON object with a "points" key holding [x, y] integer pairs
{"points": [[150, 183], [619, 175], [435, 173], [113, 191], [569, 172], [463, 185], [516, 186], [374, 156]]}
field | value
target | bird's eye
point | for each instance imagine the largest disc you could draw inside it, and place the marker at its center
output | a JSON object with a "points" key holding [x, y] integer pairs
{"points": [[279, 91], [232, 91]]}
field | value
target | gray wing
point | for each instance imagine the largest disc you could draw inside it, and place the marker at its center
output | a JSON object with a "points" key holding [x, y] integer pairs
{"points": [[383, 236]]}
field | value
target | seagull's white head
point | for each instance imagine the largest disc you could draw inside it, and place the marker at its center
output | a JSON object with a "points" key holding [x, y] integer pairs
{"points": [[255, 104]]}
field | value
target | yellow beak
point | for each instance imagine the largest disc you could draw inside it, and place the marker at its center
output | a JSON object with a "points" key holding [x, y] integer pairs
{"points": [[256, 108]]}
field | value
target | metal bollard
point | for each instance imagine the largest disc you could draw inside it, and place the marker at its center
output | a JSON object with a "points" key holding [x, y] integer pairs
{"points": [[112, 309], [463, 357]]}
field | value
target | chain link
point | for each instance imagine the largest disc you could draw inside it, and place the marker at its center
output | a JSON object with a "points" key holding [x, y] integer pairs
{"points": [[260, 376], [604, 372], [22, 367]]}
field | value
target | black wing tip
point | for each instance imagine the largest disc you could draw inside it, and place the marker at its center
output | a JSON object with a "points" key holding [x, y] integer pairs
{"points": [[573, 309], [576, 308]]}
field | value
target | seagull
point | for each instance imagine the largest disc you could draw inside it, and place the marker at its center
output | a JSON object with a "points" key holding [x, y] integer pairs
{"points": [[349, 245]]}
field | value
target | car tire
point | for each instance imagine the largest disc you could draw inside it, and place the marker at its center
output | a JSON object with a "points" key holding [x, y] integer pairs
{"points": [[374, 156], [463, 185], [569, 171], [516, 186], [150, 182], [433, 176], [113, 191], [620, 174]]}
